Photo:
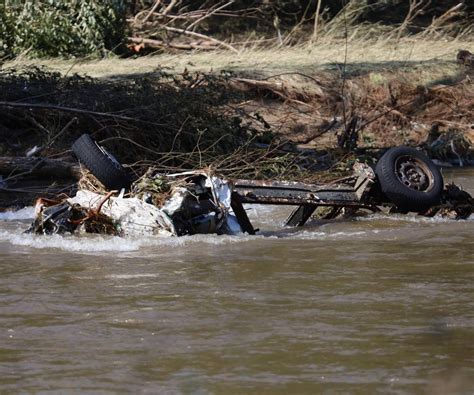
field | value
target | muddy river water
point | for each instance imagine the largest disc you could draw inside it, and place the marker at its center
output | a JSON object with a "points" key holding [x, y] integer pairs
{"points": [[375, 305]]}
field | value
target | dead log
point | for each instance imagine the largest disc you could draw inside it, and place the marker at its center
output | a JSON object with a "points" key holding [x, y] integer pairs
{"points": [[138, 43], [37, 167], [286, 90], [201, 36], [158, 44]]}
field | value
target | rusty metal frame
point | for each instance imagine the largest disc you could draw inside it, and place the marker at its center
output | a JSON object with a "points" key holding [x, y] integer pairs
{"points": [[349, 192]]}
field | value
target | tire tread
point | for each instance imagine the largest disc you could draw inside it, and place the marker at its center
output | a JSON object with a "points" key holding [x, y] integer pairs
{"points": [[99, 164]]}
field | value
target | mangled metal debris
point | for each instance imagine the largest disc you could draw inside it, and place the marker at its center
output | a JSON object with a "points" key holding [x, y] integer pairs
{"points": [[198, 202], [191, 203]]}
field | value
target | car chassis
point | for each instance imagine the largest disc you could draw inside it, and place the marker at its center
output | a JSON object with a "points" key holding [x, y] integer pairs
{"points": [[198, 202], [350, 192], [209, 204]]}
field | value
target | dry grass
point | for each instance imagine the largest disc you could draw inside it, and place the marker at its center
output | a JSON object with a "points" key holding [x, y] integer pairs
{"points": [[382, 55]]}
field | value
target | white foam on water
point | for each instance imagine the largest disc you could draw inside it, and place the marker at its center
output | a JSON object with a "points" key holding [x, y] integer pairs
{"points": [[317, 235], [93, 244], [132, 276], [411, 218], [72, 243], [100, 243], [24, 213], [97, 244]]}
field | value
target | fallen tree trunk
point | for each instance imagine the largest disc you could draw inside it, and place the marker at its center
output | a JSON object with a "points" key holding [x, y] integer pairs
{"points": [[18, 166], [136, 42]]}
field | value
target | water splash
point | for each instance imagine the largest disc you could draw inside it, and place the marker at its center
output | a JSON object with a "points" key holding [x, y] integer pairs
{"points": [[24, 213]]}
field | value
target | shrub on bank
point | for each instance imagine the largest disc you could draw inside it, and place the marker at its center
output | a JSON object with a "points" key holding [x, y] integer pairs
{"points": [[60, 28]]}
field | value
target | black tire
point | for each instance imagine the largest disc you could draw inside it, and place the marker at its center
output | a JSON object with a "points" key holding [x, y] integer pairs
{"points": [[101, 163], [409, 179]]}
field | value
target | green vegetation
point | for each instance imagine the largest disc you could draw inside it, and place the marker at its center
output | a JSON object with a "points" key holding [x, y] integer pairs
{"points": [[60, 28]]}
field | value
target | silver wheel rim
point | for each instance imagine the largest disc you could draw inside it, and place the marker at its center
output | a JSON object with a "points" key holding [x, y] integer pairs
{"points": [[414, 173]]}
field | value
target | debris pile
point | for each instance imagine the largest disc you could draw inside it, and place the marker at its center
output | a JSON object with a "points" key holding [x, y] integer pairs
{"points": [[200, 203], [455, 204], [192, 202], [171, 205]]}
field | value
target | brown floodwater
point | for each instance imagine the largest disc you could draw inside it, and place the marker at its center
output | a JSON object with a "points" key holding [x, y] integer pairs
{"points": [[382, 304]]}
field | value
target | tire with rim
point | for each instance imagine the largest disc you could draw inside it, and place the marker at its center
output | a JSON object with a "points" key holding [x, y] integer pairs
{"points": [[409, 179], [103, 165]]}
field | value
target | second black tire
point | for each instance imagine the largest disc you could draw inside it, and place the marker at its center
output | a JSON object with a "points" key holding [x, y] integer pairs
{"points": [[101, 163], [409, 179]]}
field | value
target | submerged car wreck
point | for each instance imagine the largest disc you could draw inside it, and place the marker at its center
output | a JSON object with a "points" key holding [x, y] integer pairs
{"points": [[187, 203]]}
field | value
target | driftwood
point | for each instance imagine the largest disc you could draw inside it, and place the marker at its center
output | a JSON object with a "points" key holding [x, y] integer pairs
{"points": [[15, 167], [283, 89], [201, 36], [158, 44], [203, 43]]}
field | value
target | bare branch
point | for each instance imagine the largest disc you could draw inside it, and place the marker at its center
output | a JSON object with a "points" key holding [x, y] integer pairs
{"points": [[39, 106], [170, 7], [438, 22], [416, 7], [158, 44], [210, 14], [203, 36], [316, 21], [153, 9]]}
